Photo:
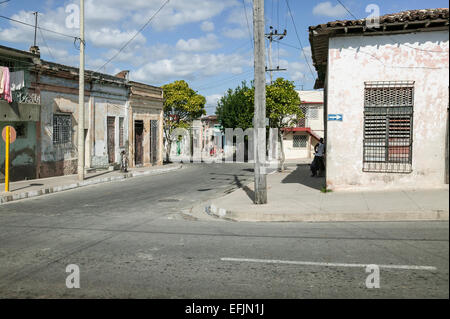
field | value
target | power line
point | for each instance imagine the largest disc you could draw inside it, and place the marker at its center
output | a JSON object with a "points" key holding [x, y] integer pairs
{"points": [[45, 42], [248, 24], [5, 1], [225, 80], [30, 25], [347, 10], [134, 36], [299, 41]]}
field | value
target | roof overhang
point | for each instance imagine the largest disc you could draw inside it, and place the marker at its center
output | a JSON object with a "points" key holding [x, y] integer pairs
{"points": [[403, 22]]}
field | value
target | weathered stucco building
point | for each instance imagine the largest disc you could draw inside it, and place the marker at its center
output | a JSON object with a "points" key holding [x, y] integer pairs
{"points": [[146, 125], [390, 87], [106, 102], [23, 113], [120, 115]]}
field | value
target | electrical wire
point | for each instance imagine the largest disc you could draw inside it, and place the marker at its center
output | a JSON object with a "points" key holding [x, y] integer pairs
{"points": [[45, 43], [248, 24], [347, 9], [40, 28], [134, 36], [299, 41]]}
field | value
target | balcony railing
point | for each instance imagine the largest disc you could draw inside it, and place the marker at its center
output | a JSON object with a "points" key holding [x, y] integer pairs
{"points": [[22, 96]]}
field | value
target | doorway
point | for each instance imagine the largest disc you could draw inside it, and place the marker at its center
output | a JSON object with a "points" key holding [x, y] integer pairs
{"points": [[111, 129], [153, 141], [138, 142]]}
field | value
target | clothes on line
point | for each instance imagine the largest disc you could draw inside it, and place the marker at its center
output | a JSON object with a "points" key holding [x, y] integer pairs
{"points": [[5, 87], [17, 80]]}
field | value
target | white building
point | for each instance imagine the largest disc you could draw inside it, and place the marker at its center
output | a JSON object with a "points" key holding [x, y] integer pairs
{"points": [[386, 97], [299, 141]]}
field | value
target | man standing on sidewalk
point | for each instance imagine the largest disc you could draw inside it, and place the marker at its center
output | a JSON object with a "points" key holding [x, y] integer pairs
{"points": [[318, 162]]}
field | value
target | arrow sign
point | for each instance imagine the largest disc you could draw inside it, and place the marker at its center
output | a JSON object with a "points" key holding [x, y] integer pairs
{"points": [[335, 117]]}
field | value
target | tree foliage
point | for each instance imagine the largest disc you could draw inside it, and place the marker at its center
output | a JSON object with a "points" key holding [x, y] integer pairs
{"points": [[234, 109], [282, 103], [182, 105]]}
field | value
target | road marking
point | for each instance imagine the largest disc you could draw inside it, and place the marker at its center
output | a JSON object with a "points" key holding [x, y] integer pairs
{"points": [[311, 263]]}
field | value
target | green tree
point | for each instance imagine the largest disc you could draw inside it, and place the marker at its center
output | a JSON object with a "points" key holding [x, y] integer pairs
{"points": [[182, 105], [234, 109], [282, 108]]}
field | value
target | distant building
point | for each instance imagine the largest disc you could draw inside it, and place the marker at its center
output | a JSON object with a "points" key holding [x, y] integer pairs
{"points": [[386, 99], [299, 141]]}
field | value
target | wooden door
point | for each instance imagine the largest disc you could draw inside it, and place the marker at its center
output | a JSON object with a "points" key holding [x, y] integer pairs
{"points": [[111, 121], [138, 142]]}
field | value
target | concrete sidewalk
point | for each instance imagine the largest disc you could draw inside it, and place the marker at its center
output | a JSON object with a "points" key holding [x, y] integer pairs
{"points": [[43, 186], [295, 196]]}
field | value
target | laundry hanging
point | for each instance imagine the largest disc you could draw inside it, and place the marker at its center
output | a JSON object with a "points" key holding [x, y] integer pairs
{"points": [[17, 80], [5, 88]]}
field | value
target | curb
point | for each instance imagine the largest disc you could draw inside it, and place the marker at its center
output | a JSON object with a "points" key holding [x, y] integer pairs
{"points": [[222, 213], [56, 189]]}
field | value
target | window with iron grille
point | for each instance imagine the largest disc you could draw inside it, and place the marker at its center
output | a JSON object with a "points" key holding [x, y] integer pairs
{"points": [[121, 133], [302, 121], [388, 126], [299, 141], [62, 128], [313, 113]]}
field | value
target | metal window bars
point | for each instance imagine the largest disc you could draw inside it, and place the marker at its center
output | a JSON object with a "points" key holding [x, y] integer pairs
{"points": [[388, 123], [62, 129]]}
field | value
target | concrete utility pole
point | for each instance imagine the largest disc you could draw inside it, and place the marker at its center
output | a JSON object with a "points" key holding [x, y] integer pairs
{"points": [[271, 36], [259, 120], [81, 98], [35, 26]]}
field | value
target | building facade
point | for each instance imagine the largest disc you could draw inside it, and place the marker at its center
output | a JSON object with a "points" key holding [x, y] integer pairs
{"points": [[389, 87], [120, 115], [299, 141], [23, 113], [145, 120]]}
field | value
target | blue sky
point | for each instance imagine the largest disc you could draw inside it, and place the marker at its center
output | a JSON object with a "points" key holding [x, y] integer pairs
{"points": [[205, 42]]}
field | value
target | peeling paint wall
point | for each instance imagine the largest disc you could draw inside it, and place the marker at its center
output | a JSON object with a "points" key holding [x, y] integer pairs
{"points": [[60, 95], [22, 153], [397, 57]]}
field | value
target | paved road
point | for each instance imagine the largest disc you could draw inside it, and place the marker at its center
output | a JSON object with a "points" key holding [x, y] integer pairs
{"points": [[129, 240]]}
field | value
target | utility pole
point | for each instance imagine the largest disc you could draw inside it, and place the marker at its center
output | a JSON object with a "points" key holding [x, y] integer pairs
{"points": [[271, 36], [81, 98], [35, 26], [259, 120]]}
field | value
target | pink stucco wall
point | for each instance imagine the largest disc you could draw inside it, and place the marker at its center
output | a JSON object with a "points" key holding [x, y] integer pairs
{"points": [[400, 57]]}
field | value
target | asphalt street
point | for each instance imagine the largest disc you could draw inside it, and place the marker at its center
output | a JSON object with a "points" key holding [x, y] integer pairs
{"points": [[130, 240]]}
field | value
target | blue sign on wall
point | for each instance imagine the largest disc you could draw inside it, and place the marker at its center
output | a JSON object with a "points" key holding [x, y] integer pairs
{"points": [[335, 117]]}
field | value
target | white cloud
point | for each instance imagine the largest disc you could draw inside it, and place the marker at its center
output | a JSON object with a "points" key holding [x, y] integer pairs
{"points": [[212, 100], [113, 38], [237, 33], [178, 12], [207, 43], [327, 9], [189, 66], [207, 26]]}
